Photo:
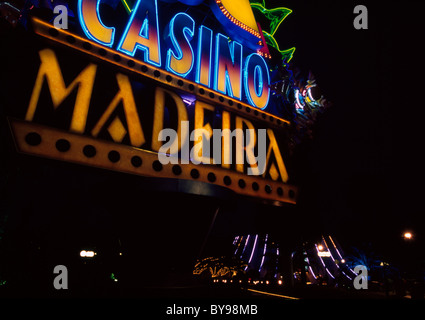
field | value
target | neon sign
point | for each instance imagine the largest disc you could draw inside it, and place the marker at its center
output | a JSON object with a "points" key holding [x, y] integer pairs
{"points": [[234, 70], [160, 95]]}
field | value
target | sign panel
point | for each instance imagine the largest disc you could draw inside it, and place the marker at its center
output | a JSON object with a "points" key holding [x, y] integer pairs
{"points": [[188, 105]]}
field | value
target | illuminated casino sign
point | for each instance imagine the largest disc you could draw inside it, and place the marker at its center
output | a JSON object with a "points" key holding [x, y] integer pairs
{"points": [[153, 88], [226, 69]]}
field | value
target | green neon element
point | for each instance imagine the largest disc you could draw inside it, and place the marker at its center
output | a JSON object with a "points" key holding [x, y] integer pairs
{"points": [[276, 17], [271, 41], [126, 6]]}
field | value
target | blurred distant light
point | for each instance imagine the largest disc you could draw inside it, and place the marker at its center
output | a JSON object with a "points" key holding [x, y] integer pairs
{"points": [[408, 235], [279, 282], [324, 254], [87, 254], [320, 247]]}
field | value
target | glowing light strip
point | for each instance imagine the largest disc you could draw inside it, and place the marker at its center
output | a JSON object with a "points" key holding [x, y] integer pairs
{"points": [[277, 261], [330, 253], [309, 93], [253, 248], [252, 251], [323, 262], [234, 48], [198, 79], [262, 261], [126, 6], [264, 252], [274, 294], [236, 21], [311, 271], [239, 243], [298, 103], [337, 251], [246, 242], [347, 275], [251, 96], [329, 273], [285, 53], [320, 256], [339, 254], [329, 250]]}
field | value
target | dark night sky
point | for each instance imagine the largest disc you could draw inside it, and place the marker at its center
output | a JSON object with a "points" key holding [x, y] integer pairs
{"points": [[363, 166]]}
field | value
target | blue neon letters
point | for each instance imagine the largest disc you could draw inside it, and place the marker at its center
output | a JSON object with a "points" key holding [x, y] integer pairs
{"points": [[180, 58], [228, 75], [228, 67], [142, 32]]}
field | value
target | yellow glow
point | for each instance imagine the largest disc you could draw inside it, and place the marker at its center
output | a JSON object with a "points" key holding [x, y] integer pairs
{"points": [[274, 174], [158, 119], [273, 147], [87, 254], [241, 11], [117, 130], [408, 235], [92, 26], [124, 95], [274, 294], [198, 155], [127, 7], [50, 71], [249, 149], [280, 12]]}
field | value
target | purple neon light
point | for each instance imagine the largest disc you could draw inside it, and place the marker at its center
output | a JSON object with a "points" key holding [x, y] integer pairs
{"points": [[311, 271], [246, 242], [329, 273], [239, 241], [323, 262], [339, 254], [252, 251], [253, 248], [264, 252]]}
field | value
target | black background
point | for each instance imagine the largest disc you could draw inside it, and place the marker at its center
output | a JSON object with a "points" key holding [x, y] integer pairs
{"points": [[362, 173]]}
